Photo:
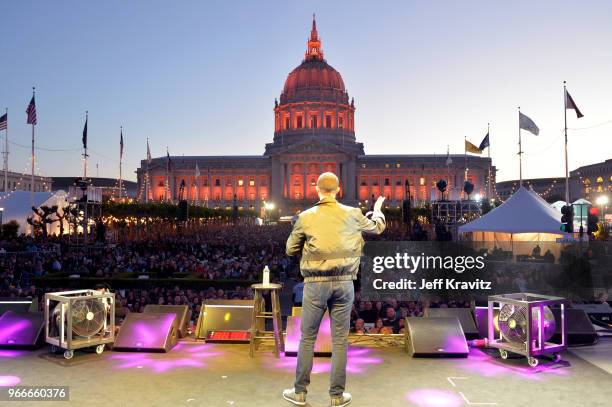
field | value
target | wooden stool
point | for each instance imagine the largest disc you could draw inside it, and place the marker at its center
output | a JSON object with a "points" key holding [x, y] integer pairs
{"points": [[258, 332]]}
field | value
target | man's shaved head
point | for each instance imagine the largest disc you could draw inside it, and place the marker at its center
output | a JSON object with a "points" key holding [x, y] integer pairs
{"points": [[328, 184]]}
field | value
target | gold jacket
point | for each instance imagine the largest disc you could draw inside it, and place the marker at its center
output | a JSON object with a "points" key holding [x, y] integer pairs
{"points": [[329, 237]]}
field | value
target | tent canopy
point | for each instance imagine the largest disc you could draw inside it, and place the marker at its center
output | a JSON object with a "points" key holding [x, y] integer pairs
{"points": [[523, 212], [17, 205]]}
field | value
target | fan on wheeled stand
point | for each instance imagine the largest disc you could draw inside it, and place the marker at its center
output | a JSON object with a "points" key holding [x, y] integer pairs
{"points": [[79, 319], [526, 324]]}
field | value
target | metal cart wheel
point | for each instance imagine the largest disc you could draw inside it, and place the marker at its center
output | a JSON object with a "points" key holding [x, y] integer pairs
{"points": [[68, 354], [53, 349], [503, 353], [557, 357], [100, 349], [533, 362]]}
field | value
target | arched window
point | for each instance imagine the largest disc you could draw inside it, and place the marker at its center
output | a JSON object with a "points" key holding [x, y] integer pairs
{"points": [[599, 180]]}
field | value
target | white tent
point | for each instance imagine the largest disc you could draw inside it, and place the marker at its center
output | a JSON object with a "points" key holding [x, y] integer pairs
{"points": [[16, 205], [525, 216]]}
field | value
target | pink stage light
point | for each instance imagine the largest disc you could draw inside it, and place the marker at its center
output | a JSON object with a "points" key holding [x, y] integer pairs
{"points": [[434, 398], [358, 361], [160, 363], [9, 353], [489, 366], [9, 381]]}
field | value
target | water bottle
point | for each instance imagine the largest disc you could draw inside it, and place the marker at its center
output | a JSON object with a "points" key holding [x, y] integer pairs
{"points": [[266, 276]]}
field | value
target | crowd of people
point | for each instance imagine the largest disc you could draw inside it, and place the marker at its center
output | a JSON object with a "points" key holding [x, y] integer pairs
{"points": [[232, 254]]}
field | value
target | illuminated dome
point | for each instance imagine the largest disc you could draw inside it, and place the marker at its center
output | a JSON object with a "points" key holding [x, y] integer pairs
{"points": [[314, 79]]}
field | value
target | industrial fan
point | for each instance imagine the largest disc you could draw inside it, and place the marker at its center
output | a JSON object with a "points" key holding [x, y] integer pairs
{"points": [[512, 323], [79, 319], [516, 334]]}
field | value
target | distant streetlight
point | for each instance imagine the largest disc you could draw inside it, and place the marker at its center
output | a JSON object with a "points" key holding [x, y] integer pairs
{"points": [[1, 215], [269, 206], [602, 201], [477, 197]]}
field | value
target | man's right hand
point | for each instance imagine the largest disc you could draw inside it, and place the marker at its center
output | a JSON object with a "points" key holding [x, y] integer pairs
{"points": [[378, 204]]}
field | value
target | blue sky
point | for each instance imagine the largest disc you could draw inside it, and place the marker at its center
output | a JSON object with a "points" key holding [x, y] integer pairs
{"points": [[201, 77]]}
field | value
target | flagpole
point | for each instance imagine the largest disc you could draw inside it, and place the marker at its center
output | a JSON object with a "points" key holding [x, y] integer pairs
{"points": [[33, 159], [85, 148], [448, 171], [167, 173], [120, 164], [565, 131], [489, 155], [6, 153], [146, 177], [520, 153]]}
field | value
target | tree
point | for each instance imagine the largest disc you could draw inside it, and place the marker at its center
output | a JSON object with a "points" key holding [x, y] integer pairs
{"points": [[10, 229]]}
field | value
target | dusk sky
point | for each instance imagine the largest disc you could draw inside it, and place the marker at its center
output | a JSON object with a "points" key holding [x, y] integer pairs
{"points": [[201, 77]]}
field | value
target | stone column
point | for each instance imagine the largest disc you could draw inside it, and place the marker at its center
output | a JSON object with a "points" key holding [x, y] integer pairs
{"points": [[305, 175], [282, 180]]}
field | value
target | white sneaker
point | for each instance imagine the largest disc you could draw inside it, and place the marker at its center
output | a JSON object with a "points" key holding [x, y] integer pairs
{"points": [[345, 400], [299, 399]]}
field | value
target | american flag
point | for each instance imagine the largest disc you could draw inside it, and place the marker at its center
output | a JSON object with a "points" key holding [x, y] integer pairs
{"points": [[31, 111], [3, 121]]}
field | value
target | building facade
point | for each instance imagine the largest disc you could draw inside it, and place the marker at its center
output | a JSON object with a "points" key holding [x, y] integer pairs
{"points": [[588, 182], [22, 182], [314, 132], [592, 181]]}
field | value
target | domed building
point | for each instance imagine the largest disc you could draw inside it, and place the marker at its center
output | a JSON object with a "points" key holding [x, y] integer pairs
{"points": [[314, 132]]}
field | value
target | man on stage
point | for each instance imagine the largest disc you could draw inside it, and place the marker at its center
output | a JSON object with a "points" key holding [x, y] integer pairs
{"points": [[329, 237]]}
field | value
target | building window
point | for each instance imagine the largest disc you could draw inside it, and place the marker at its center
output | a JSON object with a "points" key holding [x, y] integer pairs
{"points": [[341, 122], [251, 182], [328, 121], [160, 184], [387, 182], [287, 122], [314, 121], [217, 182], [363, 182], [363, 165], [313, 182], [422, 181], [398, 183], [599, 180], [386, 165], [375, 183], [299, 123], [240, 182], [228, 182], [587, 181], [398, 165]]}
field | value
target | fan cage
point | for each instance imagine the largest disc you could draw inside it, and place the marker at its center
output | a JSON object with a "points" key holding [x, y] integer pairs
{"points": [[64, 337], [534, 304]]}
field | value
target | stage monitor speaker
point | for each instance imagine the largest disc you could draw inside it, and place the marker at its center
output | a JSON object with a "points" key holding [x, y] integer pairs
{"points": [[600, 314], [323, 344], [18, 304], [182, 312], [227, 321], [435, 337], [20, 329], [148, 332], [482, 320], [580, 330], [464, 315]]}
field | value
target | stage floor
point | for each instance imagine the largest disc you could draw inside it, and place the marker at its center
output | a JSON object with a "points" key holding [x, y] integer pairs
{"points": [[198, 374]]}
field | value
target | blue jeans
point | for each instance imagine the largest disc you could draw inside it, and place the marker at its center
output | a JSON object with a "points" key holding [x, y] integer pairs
{"points": [[338, 296]]}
